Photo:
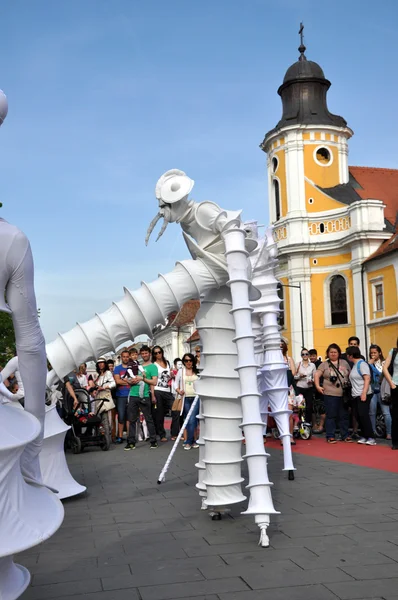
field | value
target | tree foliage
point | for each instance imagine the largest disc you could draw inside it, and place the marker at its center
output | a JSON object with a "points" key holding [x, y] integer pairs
{"points": [[7, 338]]}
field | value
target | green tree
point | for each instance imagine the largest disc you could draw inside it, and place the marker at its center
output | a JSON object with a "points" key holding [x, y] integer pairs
{"points": [[7, 338]]}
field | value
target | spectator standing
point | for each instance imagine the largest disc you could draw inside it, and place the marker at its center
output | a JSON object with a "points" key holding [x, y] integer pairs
{"points": [[360, 382], [305, 371], [143, 404], [390, 372], [335, 372], [163, 395], [291, 369], [185, 387], [376, 361], [123, 385], [82, 376], [319, 405], [111, 367], [177, 406], [197, 356]]}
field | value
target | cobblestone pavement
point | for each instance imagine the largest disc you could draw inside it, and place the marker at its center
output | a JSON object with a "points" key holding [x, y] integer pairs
{"points": [[128, 538]]}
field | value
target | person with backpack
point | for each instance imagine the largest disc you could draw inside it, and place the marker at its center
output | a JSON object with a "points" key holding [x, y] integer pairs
{"points": [[376, 361], [390, 372], [361, 394]]}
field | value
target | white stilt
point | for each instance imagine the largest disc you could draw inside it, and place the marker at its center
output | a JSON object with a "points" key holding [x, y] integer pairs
{"points": [[219, 391], [260, 504], [272, 376]]}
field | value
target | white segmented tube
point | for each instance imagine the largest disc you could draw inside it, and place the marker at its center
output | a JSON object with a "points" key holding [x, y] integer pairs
{"points": [[220, 442], [260, 503], [135, 314]]}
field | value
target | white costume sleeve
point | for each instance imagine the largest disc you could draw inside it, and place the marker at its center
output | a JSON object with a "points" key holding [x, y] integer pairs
{"points": [[29, 341]]}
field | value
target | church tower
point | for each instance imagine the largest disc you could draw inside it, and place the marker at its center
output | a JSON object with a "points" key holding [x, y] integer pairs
{"points": [[316, 213]]}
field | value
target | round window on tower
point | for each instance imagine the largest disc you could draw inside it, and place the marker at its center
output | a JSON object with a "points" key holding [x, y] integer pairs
{"points": [[275, 164], [323, 156]]}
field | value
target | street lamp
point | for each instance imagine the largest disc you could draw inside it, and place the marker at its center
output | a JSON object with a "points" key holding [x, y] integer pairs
{"points": [[298, 287]]}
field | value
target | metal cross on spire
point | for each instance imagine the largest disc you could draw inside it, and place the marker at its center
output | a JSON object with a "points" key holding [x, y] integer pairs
{"points": [[302, 48]]}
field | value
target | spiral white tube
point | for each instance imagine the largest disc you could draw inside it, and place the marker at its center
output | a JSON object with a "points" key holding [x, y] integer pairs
{"points": [[136, 314], [260, 503], [221, 440], [272, 378]]}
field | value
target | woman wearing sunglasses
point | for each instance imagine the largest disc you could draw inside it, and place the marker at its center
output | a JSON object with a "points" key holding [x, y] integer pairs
{"points": [[163, 395], [305, 371], [185, 387]]}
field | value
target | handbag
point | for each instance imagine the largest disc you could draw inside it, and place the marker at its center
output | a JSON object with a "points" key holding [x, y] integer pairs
{"points": [[177, 404]]}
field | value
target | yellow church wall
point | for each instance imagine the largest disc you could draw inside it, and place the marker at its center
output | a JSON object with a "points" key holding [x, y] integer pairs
{"points": [[328, 261], [384, 336], [325, 176], [390, 292], [324, 335], [321, 201], [281, 175]]}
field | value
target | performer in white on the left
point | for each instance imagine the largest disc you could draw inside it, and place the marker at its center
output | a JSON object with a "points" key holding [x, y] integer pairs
{"points": [[30, 513], [16, 284]]}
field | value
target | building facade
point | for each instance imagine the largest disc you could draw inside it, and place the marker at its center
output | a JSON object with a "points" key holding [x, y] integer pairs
{"points": [[329, 220]]}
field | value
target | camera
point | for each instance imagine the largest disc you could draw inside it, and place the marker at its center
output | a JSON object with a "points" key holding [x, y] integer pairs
{"points": [[333, 379]]}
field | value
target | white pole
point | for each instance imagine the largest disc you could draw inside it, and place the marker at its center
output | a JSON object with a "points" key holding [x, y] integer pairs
{"points": [[174, 448]]}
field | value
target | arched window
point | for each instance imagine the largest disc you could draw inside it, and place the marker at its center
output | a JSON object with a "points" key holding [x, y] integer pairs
{"points": [[338, 300], [281, 315], [277, 199]]}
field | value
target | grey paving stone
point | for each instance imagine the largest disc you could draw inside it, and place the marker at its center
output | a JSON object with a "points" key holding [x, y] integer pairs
{"points": [[340, 559], [354, 590], [276, 568], [155, 578], [71, 589], [306, 592], [200, 588], [259, 580], [269, 555], [383, 571], [80, 574]]}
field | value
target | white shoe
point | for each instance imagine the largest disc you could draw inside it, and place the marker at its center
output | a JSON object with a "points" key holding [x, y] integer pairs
{"points": [[371, 442], [195, 445], [187, 447], [361, 440]]}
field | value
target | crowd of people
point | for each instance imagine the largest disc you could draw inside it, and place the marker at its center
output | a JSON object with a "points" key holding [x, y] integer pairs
{"points": [[345, 391], [140, 392]]}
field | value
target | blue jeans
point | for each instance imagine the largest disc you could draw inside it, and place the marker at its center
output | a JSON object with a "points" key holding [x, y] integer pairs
{"points": [[336, 411], [192, 423], [384, 409]]}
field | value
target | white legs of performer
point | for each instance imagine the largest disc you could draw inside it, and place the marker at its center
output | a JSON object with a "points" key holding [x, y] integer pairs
{"points": [[260, 504], [220, 441], [272, 379]]}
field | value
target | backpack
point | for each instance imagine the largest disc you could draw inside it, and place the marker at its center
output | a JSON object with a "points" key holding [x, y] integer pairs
{"points": [[391, 366]]}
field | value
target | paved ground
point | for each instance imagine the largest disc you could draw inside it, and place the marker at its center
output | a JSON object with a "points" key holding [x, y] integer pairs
{"points": [[130, 539]]}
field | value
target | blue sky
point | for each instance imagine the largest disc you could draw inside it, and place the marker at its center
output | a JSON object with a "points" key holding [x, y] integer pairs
{"points": [[105, 95]]}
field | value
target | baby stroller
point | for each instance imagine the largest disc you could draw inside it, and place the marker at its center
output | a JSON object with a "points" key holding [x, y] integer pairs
{"points": [[89, 426]]}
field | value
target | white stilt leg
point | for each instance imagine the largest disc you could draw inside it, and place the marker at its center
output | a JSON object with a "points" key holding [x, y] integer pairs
{"points": [[219, 390], [260, 503]]}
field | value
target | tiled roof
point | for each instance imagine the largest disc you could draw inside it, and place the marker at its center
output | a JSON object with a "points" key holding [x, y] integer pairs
{"points": [[390, 245], [378, 184], [195, 337], [186, 314]]}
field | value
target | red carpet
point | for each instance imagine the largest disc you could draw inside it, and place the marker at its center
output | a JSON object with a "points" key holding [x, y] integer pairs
{"points": [[375, 457]]}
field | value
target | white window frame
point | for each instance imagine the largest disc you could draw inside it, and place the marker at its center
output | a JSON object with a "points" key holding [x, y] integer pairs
{"points": [[377, 314], [327, 303]]}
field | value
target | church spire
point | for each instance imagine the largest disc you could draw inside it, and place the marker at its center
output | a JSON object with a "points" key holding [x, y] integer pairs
{"points": [[302, 48]]}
